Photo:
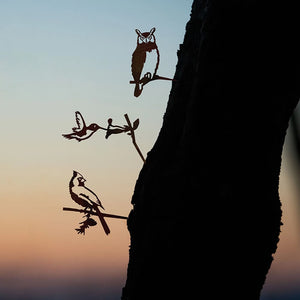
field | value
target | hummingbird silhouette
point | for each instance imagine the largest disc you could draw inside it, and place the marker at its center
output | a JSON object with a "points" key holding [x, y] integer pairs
{"points": [[85, 197], [82, 132]]}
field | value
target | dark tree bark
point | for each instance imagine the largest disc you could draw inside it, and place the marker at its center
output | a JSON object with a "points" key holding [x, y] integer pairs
{"points": [[207, 214]]}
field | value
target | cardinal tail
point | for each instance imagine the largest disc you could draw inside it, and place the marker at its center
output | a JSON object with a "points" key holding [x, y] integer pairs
{"points": [[102, 220]]}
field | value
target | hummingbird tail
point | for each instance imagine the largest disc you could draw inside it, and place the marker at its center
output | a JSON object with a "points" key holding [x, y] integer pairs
{"points": [[67, 136]]}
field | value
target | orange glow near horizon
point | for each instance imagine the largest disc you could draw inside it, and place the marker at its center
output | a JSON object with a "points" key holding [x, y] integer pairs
{"points": [[39, 239]]}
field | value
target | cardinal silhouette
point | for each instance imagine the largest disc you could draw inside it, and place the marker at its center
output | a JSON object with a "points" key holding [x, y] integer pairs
{"points": [[82, 132], [85, 197]]}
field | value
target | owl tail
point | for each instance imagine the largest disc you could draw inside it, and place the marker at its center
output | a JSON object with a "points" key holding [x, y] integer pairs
{"points": [[138, 90]]}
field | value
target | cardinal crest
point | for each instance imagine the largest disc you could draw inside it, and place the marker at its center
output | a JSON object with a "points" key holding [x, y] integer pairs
{"points": [[143, 68]]}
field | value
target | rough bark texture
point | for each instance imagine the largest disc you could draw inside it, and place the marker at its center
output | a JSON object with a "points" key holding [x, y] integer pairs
{"points": [[206, 216]]}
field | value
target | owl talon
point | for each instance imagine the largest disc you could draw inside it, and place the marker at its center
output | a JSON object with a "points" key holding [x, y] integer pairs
{"points": [[148, 75], [147, 78]]}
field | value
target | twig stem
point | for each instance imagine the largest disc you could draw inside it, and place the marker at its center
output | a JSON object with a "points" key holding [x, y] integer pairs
{"points": [[133, 137]]}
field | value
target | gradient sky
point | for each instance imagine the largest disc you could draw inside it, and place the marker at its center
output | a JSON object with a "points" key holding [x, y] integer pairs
{"points": [[57, 57]]}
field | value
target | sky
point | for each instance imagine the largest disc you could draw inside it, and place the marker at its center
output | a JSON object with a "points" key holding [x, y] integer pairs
{"points": [[283, 280], [58, 57]]}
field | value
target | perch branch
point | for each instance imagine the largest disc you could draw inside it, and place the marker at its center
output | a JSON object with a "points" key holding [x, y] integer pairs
{"points": [[93, 213], [144, 81]]}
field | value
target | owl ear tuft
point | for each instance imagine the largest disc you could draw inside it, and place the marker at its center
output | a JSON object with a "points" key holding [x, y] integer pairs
{"points": [[152, 30], [138, 32]]}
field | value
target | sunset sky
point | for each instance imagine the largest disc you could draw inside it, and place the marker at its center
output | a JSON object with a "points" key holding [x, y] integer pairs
{"points": [[58, 57]]}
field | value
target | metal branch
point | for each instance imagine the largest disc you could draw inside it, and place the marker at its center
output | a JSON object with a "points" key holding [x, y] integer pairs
{"points": [[133, 137], [94, 213], [144, 81]]}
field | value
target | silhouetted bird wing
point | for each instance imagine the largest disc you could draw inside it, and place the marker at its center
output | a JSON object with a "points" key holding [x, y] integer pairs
{"points": [[137, 64], [85, 137], [81, 201], [80, 122], [87, 197], [98, 202]]}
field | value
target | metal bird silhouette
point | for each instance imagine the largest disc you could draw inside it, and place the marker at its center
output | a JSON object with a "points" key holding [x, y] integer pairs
{"points": [[86, 198], [146, 42], [82, 132], [146, 46]]}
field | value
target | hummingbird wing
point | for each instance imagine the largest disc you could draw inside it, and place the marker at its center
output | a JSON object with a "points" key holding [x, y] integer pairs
{"points": [[79, 121]]}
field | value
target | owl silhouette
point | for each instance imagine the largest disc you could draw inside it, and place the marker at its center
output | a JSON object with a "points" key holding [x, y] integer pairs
{"points": [[146, 42]]}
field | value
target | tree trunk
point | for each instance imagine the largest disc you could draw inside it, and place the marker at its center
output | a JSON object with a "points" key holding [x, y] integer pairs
{"points": [[207, 216]]}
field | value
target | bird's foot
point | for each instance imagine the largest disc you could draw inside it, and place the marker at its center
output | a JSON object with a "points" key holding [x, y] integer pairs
{"points": [[87, 212], [147, 78], [148, 75]]}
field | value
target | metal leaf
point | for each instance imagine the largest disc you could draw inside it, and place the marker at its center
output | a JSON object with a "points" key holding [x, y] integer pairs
{"points": [[113, 131], [136, 124]]}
